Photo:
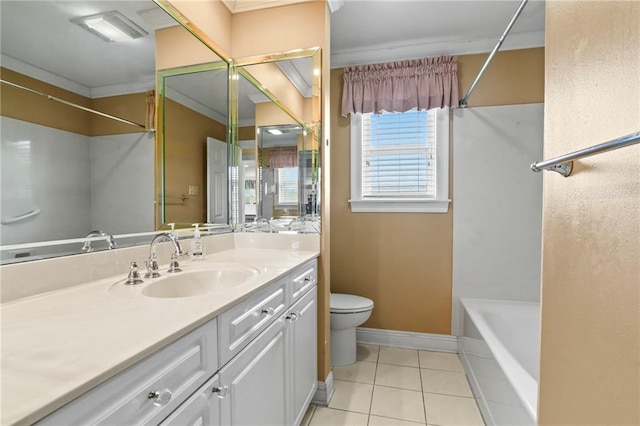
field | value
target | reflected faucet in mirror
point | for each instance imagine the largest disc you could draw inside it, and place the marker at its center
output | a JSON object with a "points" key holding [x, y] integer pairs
{"points": [[86, 246]]}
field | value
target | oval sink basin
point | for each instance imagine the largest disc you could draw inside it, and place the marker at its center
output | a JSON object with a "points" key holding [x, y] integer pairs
{"points": [[198, 282]]}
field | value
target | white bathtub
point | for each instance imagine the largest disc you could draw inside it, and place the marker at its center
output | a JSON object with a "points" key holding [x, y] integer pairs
{"points": [[500, 350]]}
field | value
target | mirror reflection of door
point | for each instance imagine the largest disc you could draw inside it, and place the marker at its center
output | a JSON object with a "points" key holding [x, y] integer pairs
{"points": [[217, 211]]}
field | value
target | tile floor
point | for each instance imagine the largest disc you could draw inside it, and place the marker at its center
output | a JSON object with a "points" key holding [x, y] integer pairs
{"points": [[397, 387]]}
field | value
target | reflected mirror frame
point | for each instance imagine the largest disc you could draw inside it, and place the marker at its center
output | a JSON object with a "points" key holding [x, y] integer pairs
{"points": [[313, 129], [161, 76]]}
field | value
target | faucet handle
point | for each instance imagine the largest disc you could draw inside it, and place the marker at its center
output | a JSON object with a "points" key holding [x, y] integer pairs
{"points": [[174, 266], [153, 271], [134, 275]]}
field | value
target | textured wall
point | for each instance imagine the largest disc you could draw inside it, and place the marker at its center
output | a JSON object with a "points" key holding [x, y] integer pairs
{"points": [[590, 357]]}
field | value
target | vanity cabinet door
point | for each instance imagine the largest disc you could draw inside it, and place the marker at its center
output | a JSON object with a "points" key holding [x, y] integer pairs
{"points": [[202, 408], [302, 327], [256, 381]]}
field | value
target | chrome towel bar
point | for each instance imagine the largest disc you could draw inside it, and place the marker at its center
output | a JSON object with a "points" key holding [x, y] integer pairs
{"points": [[564, 163]]}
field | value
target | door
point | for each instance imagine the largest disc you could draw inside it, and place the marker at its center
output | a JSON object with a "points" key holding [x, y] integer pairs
{"points": [[302, 319], [217, 200], [256, 380]]}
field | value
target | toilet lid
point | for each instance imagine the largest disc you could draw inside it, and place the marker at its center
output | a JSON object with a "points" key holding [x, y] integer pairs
{"points": [[349, 303]]}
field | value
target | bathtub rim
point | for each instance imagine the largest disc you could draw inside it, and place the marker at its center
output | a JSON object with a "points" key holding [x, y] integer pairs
{"points": [[525, 386]]}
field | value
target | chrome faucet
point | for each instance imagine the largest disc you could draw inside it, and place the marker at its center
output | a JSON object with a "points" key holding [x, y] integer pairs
{"points": [[152, 263], [86, 247]]}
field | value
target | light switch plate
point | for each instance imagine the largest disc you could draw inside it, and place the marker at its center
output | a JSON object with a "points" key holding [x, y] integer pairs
{"points": [[193, 189]]}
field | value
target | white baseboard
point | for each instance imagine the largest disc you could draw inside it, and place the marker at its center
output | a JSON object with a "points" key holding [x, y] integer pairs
{"points": [[407, 339], [324, 393]]}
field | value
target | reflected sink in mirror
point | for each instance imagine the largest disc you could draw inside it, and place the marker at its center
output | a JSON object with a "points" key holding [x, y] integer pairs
{"points": [[190, 282]]}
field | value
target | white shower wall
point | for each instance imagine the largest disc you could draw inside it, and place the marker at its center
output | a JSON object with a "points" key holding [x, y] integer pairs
{"points": [[497, 204], [78, 183], [60, 187], [122, 182]]}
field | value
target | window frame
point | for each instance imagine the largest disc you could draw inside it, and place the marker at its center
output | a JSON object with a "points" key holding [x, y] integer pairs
{"points": [[438, 204]]}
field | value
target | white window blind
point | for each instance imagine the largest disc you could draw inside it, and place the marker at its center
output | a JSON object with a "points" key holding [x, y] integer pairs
{"points": [[399, 155], [288, 185]]}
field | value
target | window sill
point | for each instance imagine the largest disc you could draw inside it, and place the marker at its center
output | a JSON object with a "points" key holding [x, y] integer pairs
{"points": [[399, 206]]}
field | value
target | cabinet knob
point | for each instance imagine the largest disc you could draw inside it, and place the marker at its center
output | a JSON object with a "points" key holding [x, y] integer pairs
{"points": [[268, 311], [222, 391], [293, 316], [161, 397]]}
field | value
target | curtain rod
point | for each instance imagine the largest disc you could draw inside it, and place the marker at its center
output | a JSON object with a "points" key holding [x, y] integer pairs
{"points": [[564, 163], [53, 98], [465, 100]]}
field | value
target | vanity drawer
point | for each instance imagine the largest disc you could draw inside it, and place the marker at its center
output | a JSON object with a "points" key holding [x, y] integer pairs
{"points": [[243, 322], [172, 374], [303, 278]]}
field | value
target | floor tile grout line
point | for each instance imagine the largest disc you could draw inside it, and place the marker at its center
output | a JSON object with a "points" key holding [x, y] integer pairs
{"points": [[375, 375], [424, 403]]}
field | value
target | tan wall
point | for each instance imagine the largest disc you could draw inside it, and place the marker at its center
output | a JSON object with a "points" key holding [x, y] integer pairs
{"points": [[513, 77], [590, 356], [274, 80], [278, 29], [25, 106], [186, 161], [211, 17], [176, 47], [132, 107], [32, 108], [403, 261]]}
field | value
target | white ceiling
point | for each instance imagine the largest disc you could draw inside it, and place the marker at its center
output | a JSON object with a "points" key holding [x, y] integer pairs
{"points": [[373, 31], [38, 39]]}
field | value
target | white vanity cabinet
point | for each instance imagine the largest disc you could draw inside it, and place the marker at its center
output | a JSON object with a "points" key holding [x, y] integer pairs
{"points": [[257, 381], [303, 353], [150, 390], [254, 364], [202, 408]]}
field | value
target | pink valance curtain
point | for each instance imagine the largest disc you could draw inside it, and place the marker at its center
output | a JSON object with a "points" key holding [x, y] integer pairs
{"points": [[280, 158], [401, 86]]}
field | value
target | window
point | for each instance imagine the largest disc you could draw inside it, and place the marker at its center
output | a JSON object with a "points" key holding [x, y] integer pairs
{"points": [[400, 162], [288, 185]]}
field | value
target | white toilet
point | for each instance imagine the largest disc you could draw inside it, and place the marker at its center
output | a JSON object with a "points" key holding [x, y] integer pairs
{"points": [[347, 313]]}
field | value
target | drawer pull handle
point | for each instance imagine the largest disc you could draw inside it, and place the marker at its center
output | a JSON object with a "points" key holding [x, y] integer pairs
{"points": [[222, 391], [293, 316], [307, 280], [268, 311], [161, 397]]}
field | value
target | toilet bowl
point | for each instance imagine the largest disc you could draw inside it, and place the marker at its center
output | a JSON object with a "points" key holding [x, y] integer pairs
{"points": [[347, 313]]}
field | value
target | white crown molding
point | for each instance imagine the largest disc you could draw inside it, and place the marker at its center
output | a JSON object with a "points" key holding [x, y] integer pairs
{"points": [[122, 89], [246, 122], [432, 47], [42, 75], [195, 105], [238, 6], [296, 78]]}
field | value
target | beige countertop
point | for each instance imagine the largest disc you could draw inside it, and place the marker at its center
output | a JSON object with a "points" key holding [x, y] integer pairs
{"points": [[60, 344]]}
